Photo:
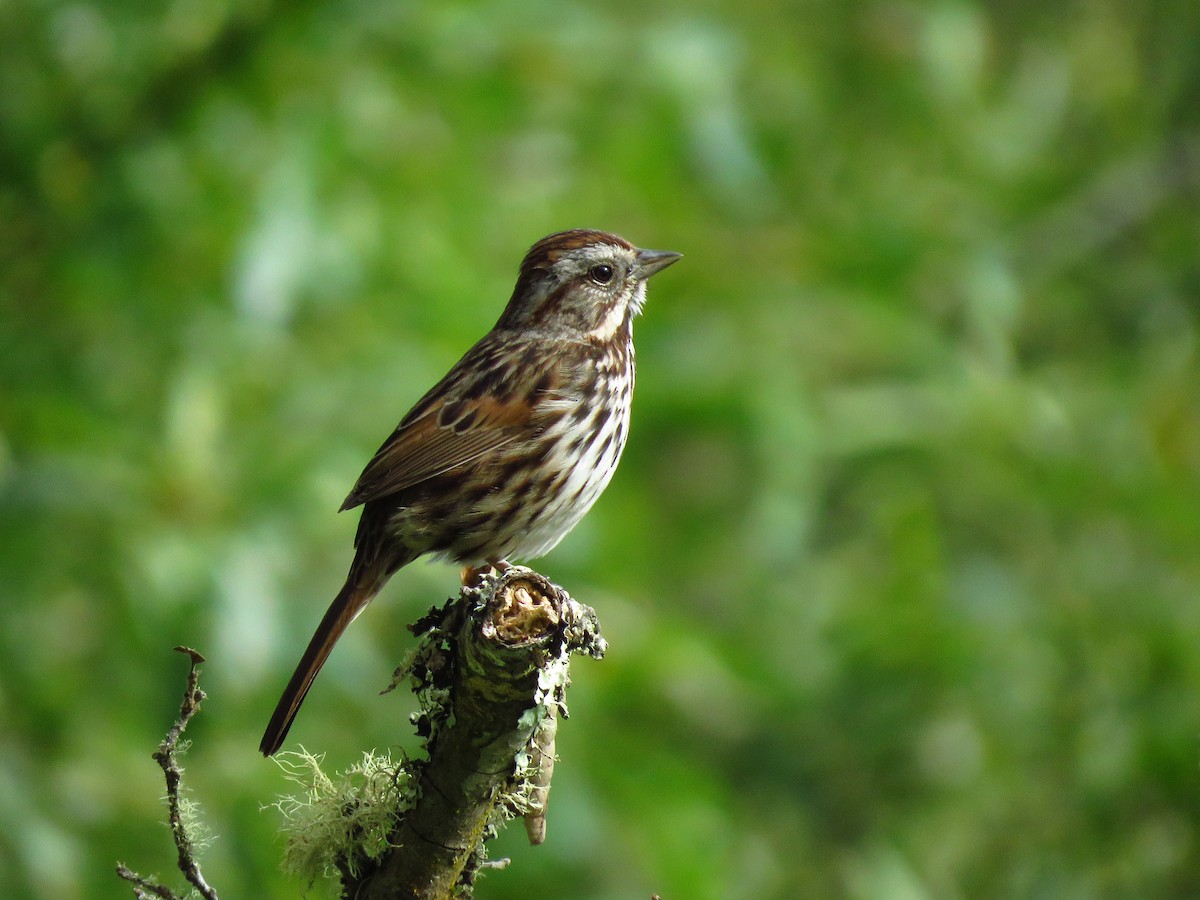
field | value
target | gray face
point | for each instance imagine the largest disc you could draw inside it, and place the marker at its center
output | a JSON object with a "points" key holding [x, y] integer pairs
{"points": [[584, 283], [595, 289]]}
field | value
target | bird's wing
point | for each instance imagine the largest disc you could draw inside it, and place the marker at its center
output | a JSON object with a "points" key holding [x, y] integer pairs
{"points": [[488, 400]]}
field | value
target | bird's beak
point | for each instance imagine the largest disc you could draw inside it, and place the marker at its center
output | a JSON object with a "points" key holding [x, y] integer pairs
{"points": [[651, 261]]}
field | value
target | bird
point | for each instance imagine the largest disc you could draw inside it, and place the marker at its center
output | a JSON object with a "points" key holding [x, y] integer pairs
{"points": [[502, 457]]}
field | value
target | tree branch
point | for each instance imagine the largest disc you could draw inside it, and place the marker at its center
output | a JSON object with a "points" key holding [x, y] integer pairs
{"points": [[490, 675]]}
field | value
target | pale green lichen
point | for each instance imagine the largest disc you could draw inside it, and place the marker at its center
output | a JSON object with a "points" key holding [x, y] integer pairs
{"points": [[340, 824], [198, 835]]}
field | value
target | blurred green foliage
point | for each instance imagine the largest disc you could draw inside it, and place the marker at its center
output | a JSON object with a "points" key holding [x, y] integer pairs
{"points": [[901, 570]]}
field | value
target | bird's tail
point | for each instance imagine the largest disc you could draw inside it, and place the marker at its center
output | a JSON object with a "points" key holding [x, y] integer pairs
{"points": [[362, 584]]}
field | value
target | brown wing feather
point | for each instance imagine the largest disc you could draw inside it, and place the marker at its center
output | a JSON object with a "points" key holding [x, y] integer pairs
{"points": [[463, 418]]}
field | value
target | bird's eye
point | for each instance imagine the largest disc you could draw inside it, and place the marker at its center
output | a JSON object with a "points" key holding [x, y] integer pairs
{"points": [[601, 274]]}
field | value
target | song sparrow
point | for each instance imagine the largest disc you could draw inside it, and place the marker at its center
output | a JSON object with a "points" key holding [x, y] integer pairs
{"points": [[507, 452]]}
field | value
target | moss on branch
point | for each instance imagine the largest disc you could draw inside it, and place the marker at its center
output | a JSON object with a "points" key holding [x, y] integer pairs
{"points": [[490, 674]]}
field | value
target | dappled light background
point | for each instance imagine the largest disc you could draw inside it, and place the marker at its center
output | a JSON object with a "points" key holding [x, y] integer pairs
{"points": [[900, 572]]}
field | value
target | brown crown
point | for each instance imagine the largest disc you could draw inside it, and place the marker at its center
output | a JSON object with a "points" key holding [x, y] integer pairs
{"points": [[546, 252]]}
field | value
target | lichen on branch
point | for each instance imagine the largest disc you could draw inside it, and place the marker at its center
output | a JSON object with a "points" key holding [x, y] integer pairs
{"points": [[490, 674]]}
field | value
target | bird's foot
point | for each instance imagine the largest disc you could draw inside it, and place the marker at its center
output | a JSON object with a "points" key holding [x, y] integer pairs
{"points": [[472, 576]]}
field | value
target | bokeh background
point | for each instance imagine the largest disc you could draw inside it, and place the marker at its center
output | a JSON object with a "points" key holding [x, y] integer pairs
{"points": [[901, 569]]}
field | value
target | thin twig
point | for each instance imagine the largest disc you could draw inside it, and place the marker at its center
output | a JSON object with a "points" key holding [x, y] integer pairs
{"points": [[143, 887], [165, 756]]}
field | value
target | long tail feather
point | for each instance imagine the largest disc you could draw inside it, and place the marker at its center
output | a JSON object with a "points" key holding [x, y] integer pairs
{"points": [[358, 591]]}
